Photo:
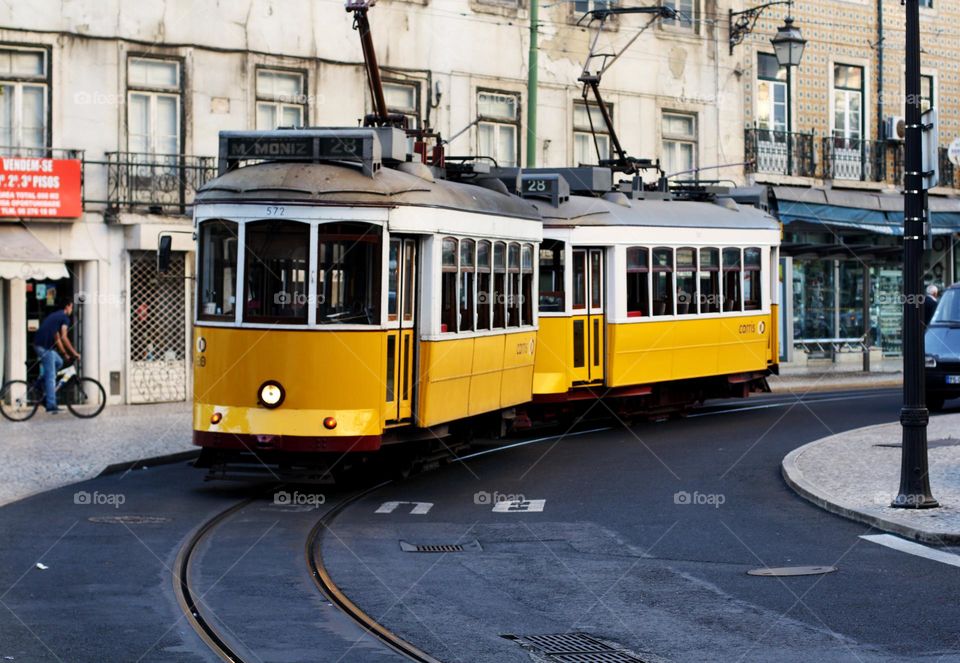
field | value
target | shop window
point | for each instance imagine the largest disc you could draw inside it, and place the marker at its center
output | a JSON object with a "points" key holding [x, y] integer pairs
{"points": [[687, 298], [348, 274], [218, 270], [275, 272], [709, 280], [551, 277], [526, 284], [484, 275], [500, 285], [280, 99], [448, 287], [638, 282], [468, 271], [732, 295], [663, 281], [513, 285], [752, 280]]}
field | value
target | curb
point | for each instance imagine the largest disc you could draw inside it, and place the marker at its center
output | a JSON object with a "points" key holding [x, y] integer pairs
{"points": [[794, 478], [167, 459], [784, 387]]}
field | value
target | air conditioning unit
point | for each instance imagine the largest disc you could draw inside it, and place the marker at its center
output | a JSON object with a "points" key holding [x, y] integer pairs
{"points": [[895, 128]]}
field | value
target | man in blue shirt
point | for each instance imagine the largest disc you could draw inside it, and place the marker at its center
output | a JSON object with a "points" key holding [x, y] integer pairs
{"points": [[50, 338]]}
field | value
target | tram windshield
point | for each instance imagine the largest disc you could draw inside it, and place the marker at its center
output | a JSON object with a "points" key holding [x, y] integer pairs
{"points": [[277, 267]]}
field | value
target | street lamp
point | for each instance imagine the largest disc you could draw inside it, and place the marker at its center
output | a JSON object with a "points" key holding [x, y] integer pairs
{"points": [[789, 44]]}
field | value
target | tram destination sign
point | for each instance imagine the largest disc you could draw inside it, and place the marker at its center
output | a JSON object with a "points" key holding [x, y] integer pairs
{"points": [[33, 187], [356, 145]]}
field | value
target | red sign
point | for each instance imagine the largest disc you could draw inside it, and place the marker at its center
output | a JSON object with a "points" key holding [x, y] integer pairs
{"points": [[40, 188]]}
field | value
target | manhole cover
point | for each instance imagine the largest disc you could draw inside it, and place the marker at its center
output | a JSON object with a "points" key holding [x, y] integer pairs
{"points": [[473, 546], [793, 571], [129, 520], [574, 648]]}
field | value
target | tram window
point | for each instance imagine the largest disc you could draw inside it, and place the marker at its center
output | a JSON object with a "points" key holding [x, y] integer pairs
{"points": [[732, 299], [218, 270], [484, 300], [348, 273], [393, 278], [513, 283], [467, 275], [579, 279], [409, 277], [551, 277], [751, 280], [709, 280], [663, 281], [638, 282], [686, 281], [275, 268], [499, 285], [448, 295], [526, 284], [596, 280]]}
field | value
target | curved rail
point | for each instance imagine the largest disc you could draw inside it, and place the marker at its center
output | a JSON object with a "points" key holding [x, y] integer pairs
{"points": [[326, 585]]}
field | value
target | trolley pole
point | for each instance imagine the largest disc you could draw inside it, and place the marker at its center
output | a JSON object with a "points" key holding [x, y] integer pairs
{"points": [[533, 67], [914, 474]]}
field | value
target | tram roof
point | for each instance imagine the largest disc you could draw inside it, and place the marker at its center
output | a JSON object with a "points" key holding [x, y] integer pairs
{"points": [[591, 211], [347, 185]]}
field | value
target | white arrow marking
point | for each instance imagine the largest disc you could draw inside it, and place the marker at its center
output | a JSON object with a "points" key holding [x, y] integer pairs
{"points": [[419, 508]]}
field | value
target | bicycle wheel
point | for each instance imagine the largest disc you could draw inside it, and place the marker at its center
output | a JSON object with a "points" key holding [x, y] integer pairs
{"points": [[84, 397], [17, 401]]}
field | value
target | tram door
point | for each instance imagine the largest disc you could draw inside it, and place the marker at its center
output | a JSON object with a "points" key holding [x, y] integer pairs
{"points": [[588, 327], [401, 307]]}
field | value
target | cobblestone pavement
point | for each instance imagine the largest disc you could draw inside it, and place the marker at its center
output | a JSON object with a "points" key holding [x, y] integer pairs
{"points": [[51, 451], [857, 474]]}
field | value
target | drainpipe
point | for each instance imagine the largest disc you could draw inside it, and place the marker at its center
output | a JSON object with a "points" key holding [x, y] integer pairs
{"points": [[532, 72], [880, 135]]}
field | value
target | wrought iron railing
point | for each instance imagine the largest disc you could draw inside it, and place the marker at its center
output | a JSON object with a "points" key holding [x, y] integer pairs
{"points": [[780, 152], [156, 183], [854, 159]]}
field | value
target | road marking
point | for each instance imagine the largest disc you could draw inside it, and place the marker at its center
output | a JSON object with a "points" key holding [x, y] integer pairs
{"points": [[766, 406], [419, 508], [515, 506], [913, 548], [539, 439]]}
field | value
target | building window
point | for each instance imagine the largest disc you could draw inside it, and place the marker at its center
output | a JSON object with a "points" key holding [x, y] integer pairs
{"points": [[847, 102], [584, 6], [927, 100], [772, 94], [687, 14], [732, 299], [679, 144], [402, 98], [551, 276], [663, 281], [281, 101], [499, 127], [927, 4], [153, 111], [638, 282], [23, 102], [585, 149]]}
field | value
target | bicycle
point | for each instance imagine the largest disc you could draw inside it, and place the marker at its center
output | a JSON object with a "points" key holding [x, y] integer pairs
{"points": [[84, 397]]}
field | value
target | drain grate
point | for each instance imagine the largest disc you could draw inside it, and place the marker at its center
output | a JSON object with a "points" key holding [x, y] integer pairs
{"points": [[129, 520], [573, 648], [473, 546]]}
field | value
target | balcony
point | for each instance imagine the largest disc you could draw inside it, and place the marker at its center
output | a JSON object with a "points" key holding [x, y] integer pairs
{"points": [[854, 159], [155, 183], [780, 152]]}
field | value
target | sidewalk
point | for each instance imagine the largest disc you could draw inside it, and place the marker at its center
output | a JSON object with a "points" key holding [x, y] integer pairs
{"points": [[48, 451], [857, 474], [825, 375]]}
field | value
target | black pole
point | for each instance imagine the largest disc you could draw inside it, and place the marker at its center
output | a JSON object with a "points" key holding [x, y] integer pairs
{"points": [[914, 474]]}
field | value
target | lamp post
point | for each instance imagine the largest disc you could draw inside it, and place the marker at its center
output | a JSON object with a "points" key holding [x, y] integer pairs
{"points": [[788, 44], [914, 474]]}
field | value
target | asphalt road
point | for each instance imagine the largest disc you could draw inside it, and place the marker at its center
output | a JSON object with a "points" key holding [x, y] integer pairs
{"points": [[644, 541]]}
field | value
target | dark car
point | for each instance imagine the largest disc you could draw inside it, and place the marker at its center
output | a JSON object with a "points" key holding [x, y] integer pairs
{"points": [[943, 350]]}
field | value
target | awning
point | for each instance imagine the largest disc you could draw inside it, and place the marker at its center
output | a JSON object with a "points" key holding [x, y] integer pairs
{"points": [[23, 256], [870, 211]]}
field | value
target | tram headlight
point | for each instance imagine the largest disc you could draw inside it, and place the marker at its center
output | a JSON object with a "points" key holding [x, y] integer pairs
{"points": [[271, 394]]}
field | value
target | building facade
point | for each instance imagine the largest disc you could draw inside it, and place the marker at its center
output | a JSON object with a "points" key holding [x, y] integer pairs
{"points": [[828, 136], [137, 93]]}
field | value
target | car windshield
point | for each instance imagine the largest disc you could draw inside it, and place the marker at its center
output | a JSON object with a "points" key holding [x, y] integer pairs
{"points": [[948, 309]]}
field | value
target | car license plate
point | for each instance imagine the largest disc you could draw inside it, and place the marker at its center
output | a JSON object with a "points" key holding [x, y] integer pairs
{"points": [[953, 379]]}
